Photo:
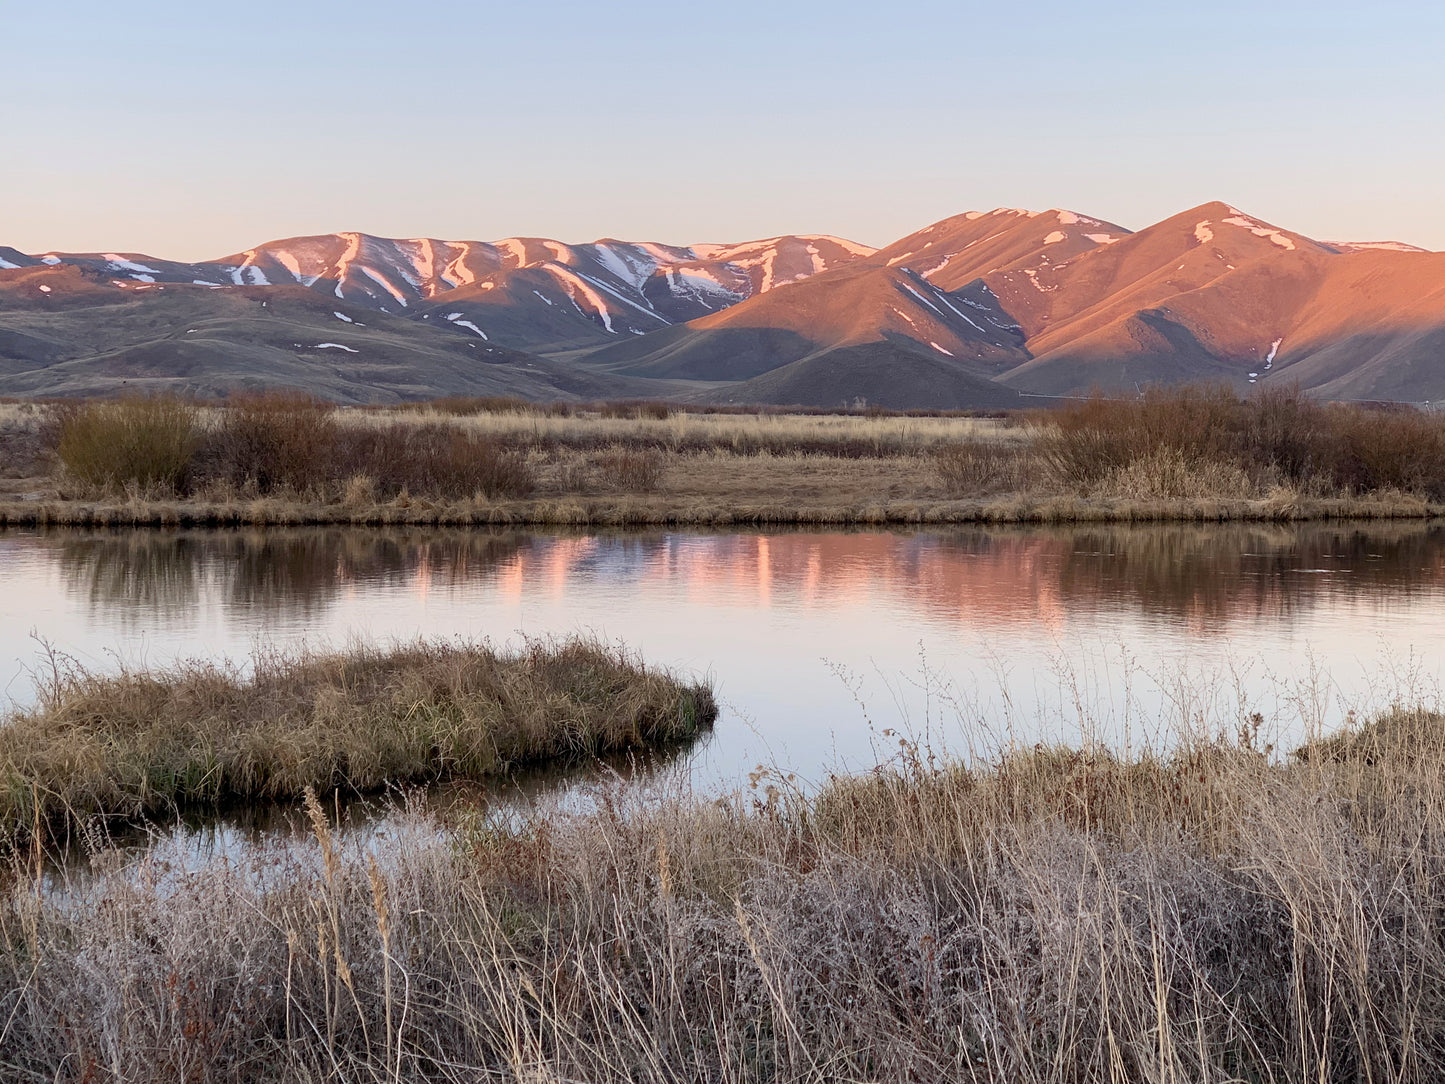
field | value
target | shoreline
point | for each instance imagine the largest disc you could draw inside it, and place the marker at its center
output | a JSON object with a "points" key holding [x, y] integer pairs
{"points": [[637, 511]]}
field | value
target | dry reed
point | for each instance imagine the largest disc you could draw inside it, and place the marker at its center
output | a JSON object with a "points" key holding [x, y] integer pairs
{"points": [[1058, 916]]}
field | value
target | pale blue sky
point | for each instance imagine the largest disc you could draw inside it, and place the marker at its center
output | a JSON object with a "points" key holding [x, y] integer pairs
{"points": [[191, 130]]}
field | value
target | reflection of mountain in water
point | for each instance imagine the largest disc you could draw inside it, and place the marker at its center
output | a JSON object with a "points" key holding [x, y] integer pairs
{"points": [[984, 576]]}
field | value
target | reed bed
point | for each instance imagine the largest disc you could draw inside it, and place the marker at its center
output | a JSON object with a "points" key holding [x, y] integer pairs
{"points": [[139, 744], [1060, 916]]}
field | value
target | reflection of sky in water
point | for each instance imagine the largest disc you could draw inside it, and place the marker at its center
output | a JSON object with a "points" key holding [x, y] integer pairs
{"points": [[1024, 632]]}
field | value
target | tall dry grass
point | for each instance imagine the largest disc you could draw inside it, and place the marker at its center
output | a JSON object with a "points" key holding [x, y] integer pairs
{"points": [[145, 444], [137, 744], [1058, 916]]}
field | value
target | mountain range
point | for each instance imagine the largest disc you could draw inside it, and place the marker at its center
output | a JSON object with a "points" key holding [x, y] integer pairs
{"points": [[981, 310]]}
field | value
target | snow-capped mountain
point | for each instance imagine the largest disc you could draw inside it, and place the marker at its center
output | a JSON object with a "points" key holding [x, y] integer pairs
{"points": [[975, 310]]}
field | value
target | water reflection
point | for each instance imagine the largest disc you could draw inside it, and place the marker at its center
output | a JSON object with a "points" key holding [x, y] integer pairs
{"points": [[294, 572], [1196, 572], [1020, 617]]}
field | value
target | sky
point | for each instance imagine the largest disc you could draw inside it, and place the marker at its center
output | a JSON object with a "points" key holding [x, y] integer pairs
{"points": [[192, 131]]}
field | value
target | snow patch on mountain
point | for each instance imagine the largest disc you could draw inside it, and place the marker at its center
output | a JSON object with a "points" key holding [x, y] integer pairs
{"points": [[1376, 246], [1246, 223], [384, 284], [289, 262], [456, 318], [120, 263], [575, 284]]}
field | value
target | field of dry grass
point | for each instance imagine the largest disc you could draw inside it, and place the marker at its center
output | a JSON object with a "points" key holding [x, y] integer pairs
{"points": [[1058, 916], [1196, 454]]}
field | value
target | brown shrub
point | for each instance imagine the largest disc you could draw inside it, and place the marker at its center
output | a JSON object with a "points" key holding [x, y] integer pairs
{"points": [[131, 443], [1273, 435], [432, 460], [977, 468], [1394, 449], [270, 442], [636, 470]]}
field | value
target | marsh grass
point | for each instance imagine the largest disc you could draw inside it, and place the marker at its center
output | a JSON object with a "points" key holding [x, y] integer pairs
{"points": [[145, 743], [1060, 916]]}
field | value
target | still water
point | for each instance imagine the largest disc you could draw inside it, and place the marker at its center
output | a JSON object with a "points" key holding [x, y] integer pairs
{"points": [[820, 643]]}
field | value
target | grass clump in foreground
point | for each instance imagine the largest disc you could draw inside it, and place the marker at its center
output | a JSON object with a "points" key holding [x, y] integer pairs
{"points": [[142, 743], [1058, 916]]}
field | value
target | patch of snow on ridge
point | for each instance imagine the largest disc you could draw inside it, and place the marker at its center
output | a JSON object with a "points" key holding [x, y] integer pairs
{"points": [[940, 349], [574, 283], [513, 248], [921, 298], [388, 287], [851, 247], [456, 272], [335, 346], [1203, 234], [697, 281], [144, 278], [44, 289], [1101, 238], [1067, 218], [289, 262], [1376, 246], [52, 259], [120, 263], [1055, 237], [343, 316], [625, 300], [1255, 228], [456, 318], [6, 265], [1273, 350], [943, 297], [635, 274], [539, 293]]}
